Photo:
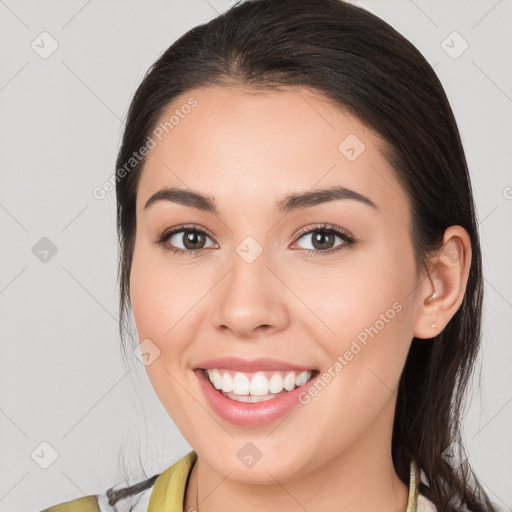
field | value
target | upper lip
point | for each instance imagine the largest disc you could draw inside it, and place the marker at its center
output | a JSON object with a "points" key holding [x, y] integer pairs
{"points": [[250, 365]]}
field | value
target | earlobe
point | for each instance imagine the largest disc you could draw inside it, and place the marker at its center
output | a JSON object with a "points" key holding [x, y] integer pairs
{"points": [[442, 292]]}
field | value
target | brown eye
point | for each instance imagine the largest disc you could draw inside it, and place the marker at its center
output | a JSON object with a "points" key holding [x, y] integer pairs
{"points": [[183, 240], [323, 239], [192, 239]]}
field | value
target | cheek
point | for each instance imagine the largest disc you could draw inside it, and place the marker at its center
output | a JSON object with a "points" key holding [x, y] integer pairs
{"points": [[367, 319], [159, 305], [167, 310], [369, 315], [147, 299], [354, 295], [160, 295]]}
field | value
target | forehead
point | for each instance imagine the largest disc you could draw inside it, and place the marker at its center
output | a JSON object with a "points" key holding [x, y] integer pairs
{"points": [[244, 143]]}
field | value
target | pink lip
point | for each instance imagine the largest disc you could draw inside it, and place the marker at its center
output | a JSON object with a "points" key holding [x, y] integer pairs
{"points": [[250, 414], [245, 365]]}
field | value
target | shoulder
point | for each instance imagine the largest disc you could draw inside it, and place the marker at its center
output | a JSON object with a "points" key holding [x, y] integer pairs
{"points": [[136, 502], [83, 504], [162, 491]]}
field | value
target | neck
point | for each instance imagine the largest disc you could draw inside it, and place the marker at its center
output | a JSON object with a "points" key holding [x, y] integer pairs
{"points": [[361, 478]]}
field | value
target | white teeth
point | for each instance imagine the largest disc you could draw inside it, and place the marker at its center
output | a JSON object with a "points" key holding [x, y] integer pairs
{"points": [[227, 383], [240, 384], [302, 378], [276, 383], [216, 378], [258, 385], [249, 398], [289, 381]]}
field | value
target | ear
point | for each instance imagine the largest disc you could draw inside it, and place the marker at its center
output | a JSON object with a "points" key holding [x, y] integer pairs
{"points": [[442, 290]]}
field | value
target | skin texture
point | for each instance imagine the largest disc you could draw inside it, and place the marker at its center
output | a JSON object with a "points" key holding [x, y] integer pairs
{"points": [[248, 150]]}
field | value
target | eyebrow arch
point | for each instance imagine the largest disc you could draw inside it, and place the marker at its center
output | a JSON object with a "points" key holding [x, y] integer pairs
{"points": [[292, 202], [313, 197]]}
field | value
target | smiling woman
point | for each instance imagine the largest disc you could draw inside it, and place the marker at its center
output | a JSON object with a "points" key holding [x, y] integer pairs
{"points": [[301, 253]]}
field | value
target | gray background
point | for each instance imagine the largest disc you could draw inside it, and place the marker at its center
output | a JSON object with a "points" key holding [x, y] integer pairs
{"points": [[62, 377]]}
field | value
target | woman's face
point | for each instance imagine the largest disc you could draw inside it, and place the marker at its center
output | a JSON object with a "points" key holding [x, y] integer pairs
{"points": [[266, 281]]}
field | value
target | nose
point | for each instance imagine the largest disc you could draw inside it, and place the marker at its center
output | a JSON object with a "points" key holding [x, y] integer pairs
{"points": [[250, 299]]}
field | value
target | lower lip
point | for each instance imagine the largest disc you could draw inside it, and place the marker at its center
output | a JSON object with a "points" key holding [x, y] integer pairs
{"points": [[250, 414]]}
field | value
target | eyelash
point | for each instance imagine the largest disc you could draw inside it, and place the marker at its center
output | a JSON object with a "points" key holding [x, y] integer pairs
{"points": [[326, 228]]}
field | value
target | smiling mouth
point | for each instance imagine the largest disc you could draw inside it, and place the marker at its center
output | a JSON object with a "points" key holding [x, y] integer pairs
{"points": [[253, 387]]}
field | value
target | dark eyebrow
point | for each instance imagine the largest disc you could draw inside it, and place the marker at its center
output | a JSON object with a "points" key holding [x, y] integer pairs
{"points": [[312, 198], [297, 201], [184, 197]]}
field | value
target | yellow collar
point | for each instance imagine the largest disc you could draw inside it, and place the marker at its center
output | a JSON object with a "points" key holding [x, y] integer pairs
{"points": [[169, 489]]}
